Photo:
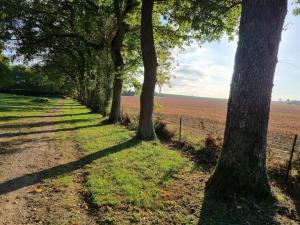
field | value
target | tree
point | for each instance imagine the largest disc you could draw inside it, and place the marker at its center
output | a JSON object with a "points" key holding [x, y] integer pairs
{"points": [[5, 78], [183, 21], [71, 36], [146, 129], [241, 169], [297, 9], [116, 48]]}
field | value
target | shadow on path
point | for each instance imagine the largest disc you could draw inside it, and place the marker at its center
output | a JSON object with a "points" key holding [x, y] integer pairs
{"points": [[6, 118], [36, 177], [7, 135], [14, 108], [40, 124]]}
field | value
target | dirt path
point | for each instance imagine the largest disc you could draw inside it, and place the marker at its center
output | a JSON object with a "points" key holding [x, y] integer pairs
{"points": [[23, 159]]}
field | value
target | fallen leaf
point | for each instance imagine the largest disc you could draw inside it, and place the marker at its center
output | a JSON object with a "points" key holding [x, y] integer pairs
{"points": [[38, 190], [85, 206]]}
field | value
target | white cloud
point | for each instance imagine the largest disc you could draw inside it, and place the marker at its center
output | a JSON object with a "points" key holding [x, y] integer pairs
{"points": [[201, 71], [207, 71]]}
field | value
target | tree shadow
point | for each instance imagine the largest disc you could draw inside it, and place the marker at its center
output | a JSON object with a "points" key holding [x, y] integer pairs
{"points": [[7, 118], [68, 104], [292, 188], [37, 177], [13, 146], [21, 108], [16, 134], [237, 212], [44, 123], [105, 122]]}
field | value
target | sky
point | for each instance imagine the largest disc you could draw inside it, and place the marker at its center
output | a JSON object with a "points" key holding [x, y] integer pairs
{"points": [[207, 71]]}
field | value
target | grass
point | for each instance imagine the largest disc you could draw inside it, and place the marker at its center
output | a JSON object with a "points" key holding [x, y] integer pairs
{"points": [[14, 105], [127, 181], [132, 175]]}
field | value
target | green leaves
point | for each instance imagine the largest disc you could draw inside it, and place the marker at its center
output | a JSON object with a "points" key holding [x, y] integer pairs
{"points": [[71, 39], [296, 11], [213, 18]]}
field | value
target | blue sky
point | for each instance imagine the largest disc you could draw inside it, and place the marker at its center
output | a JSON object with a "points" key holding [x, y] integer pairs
{"points": [[207, 71]]}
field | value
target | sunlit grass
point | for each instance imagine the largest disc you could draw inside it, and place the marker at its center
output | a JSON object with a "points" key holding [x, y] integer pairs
{"points": [[132, 173], [13, 107], [129, 181]]}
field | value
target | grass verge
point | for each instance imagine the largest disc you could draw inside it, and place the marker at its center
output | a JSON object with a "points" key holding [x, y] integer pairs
{"points": [[127, 181], [130, 181]]}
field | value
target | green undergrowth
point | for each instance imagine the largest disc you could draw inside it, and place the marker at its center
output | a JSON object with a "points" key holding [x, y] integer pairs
{"points": [[126, 181], [123, 170], [130, 180], [13, 107], [124, 177], [135, 182]]}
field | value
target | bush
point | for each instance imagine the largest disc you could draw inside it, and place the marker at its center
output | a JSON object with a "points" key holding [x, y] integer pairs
{"points": [[160, 127], [210, 152], [295, 174], [212, 148], [161, 130], [41, 100], [130, 122]]}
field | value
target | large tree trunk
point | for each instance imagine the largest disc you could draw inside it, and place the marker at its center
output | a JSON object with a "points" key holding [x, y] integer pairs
{"points": [[241, 170], [117, 59], [107, 92], [117, 84], [95, 98], [116, 46], [83, 93], [146, 129]]}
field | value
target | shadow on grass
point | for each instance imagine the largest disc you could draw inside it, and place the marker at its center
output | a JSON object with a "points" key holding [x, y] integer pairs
{"points": [[40, 124], [69, 104], [237, 212], [292, 188], [15, 108], [7, 135], [34, 178], [6, 118]]}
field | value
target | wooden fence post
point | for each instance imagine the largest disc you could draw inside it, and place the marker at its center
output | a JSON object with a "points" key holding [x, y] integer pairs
{"points": [[291, 159], [180, 126]]}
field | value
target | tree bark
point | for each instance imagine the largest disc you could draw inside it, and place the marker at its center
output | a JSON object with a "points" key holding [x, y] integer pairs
{"points": [[118, 83], [146, 129], [116, 46], [117, 59], [241, 170]]}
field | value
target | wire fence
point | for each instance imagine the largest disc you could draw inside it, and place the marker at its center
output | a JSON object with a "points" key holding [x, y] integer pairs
{"points": [[194, 130], [283, 147]]}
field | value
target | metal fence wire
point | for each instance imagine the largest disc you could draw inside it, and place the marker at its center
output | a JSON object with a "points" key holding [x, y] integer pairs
{"points": [[194, 130]]}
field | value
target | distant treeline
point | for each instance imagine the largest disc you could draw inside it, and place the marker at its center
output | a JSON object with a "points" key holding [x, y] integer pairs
{"points": [[129, 93], [292, 102], [20, 79]]}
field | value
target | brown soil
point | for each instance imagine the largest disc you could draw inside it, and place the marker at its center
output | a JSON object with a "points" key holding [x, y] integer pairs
{"points": [[207, 116]]}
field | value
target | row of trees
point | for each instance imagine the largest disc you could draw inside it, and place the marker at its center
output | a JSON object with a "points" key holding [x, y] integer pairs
{"points": [[33, 80], [97, 44]]}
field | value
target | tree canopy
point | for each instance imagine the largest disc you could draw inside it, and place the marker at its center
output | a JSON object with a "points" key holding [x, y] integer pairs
{"points": [[94, 46]]}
